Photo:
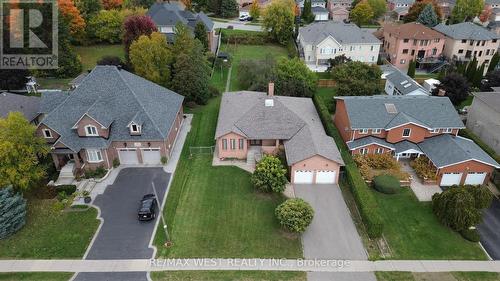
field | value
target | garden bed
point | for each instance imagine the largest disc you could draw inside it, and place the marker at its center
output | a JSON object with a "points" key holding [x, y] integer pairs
{"points": [[374, 165]]}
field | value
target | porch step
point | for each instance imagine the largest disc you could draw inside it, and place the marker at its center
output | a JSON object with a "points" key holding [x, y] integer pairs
{"points": [[251, 158]]}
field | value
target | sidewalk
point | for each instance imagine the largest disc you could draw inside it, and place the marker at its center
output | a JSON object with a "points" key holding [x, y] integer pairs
{"points": [[245, 264]]}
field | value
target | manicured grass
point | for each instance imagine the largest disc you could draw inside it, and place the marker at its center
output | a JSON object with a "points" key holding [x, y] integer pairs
{"points": [[326, 95], [36, 276], [413, 231], [466, 102], [228, 276], [91, 54], [219, 78], [458, 276], [50, 234], [476, 276], [54, 83]]}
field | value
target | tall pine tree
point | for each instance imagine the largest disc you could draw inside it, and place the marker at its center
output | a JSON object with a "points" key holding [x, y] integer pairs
{"points": [[428, 16], [12, 212], [411, 69], [471, 70], [494, 62]]}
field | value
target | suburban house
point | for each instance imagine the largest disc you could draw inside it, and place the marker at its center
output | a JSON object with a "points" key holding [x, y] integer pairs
{"points": [[340, 14], [446, 6], [411, 126], [394, 4], [166, 16], [244, 6], [483, 118], [318, 8], [413, 41], [400, 84], [492, 4], [467, 40], [321, 41], [28, 105], [254, 123], [400, 13], [112, 115]]}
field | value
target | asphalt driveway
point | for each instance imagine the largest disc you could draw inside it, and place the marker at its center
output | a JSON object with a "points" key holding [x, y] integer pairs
{"points": [[332, 233], [121, 235], [489, 230]]}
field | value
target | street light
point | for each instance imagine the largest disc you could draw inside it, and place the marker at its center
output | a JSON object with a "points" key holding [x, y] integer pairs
{"points": [[168, 242]]}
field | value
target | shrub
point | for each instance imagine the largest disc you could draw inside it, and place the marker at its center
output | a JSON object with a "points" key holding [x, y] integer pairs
{"points": [[386, 184], [98, 173], [455, 208], [12, 212], [66, 189], [269, 175], [213, 91], [471, 235], [424, 168], [61, 196], [116, 163], [295, 214], [482, 196], [163, 160]]}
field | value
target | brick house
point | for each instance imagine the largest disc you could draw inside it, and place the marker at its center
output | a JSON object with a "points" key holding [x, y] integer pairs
{"points": [[253, 123], [112, 114], [411, 126]]}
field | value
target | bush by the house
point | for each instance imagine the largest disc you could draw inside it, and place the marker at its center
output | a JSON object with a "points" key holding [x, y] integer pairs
{"points": [[67, 189], [386, 184], [482, 196], [163, 160], [471, 235], [12, 212], [98, 173], [424, 168], [269, 175], [373, 165], [62, 196], [295, 215], [116, 163], [456, 208]]}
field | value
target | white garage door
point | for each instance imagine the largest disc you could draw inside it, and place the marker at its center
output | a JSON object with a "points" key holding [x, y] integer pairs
{"points": [[450, 179], [325, 177], [303, 177], [128, 156], [475, 178], [151, 156]]}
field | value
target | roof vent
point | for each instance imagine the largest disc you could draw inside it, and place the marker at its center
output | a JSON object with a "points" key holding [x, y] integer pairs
{"points": [[269, 102], [407, 85], [403, 82], [391, 108]]}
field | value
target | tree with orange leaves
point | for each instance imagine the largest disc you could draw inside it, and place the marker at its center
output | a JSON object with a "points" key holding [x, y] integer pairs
{"points": [[112, 4], [71, 12], [485, 14]]}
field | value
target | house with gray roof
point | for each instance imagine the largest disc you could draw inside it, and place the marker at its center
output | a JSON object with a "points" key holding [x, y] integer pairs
{"points": [[166, 15], [113, 115], [410, 127], [28, 105], [254, 123], [399, 83], [467, 40], [321, 41], [483, 118]]}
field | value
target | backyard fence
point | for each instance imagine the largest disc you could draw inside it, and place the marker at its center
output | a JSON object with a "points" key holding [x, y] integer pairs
{"points": [[201, 150]]}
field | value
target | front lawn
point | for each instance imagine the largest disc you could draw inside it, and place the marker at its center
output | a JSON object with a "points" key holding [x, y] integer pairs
{"points": [[50, 234], [91, 54], [413, 231], [228, 276], [38, 276]]}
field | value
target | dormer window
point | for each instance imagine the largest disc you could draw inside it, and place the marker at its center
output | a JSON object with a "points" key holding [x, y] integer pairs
{"points": [[91, 131], [47, 133], [135, 129]]}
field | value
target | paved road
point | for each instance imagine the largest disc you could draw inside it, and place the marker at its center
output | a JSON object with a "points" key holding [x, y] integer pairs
{"points": [[122, 236], [237, 25], [490, 230], [332, 234]]}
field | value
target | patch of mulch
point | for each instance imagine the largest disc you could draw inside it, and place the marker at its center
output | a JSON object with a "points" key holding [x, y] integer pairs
{"points": [[42, 192]]}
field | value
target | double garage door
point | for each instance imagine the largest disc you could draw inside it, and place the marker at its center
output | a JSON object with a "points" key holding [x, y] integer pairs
{"points": [[149, 156], [473, 178], [307, 177]]}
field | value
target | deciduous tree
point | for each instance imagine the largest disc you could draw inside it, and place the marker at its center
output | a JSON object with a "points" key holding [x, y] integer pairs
{"points": [[278, 20], [456, 209], [492, 79], [378, 7], [417, 8], [362, 13], [130, 4], [294, 78], [88, 8], [485, 14], [455, 86], [357, 79], [466, 10], [269, 175], [20, 151], [255, 9], [134, 27], [295, 215], [112, 4], [13, 79], [71, 12]]}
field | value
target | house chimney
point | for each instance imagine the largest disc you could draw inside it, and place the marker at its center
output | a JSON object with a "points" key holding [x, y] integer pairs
{"points": [[270, 91], [441, 92]]}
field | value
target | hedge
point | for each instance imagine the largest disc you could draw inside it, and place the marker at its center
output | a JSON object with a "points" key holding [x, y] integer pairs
{"points": [[364, 197], [468, 134], [68, 189], [386, 184]]}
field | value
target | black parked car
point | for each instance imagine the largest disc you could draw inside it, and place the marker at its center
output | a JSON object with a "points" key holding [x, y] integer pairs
{"points": [[147, 209]]}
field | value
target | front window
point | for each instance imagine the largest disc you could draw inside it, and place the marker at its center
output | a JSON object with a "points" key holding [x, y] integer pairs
{"points": [[379, 150], [376, 131], [47, 133], [134, 128], [91, 130], [363, 131], [405, 51], [406, 132], [363, 151], [94, 156], [447, 130], [233, 144], [241, 144], [435, 131], [224, 144]]}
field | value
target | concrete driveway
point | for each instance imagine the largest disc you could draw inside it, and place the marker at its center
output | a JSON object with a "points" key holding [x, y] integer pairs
{"points": [[488, 230], [121, 235], [332, 233]]}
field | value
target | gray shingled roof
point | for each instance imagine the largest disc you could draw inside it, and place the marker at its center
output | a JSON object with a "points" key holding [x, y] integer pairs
{"points": [[27, 105], [114, 98], [343, 33], [466, 30], [404, 83], [366, 141], [430, 111], [403, 146], [490, 2], [165, 14], [51, 100], [319, 10], [291, 119], [492, 99], [445, 150]]}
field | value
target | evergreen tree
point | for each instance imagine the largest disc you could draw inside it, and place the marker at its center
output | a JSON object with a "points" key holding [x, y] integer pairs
{"points": [[471, 70], [307, 15], [441, 74], [12, 212], [478, 76], [200, 33], [494, 62], [228, 8], [411, 69], [428, 16]]}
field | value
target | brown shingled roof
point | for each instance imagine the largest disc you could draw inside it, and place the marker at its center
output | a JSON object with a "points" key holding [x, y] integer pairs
{"points": [[412, 30]]}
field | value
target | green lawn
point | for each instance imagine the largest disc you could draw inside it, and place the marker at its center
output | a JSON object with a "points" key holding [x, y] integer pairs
{"points": [[413, 231], [91, 54], [326, 95], [466, 102], [54, 83], [228, 276], [49, 234], [36, 276], [451, 276]]}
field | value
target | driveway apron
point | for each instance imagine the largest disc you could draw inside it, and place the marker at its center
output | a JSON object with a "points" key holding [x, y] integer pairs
{"points": [[489, 230]]}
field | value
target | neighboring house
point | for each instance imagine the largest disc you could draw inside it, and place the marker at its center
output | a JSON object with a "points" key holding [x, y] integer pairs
{"points": [[467, 40], [244, 6], [28, 105], [411, 126], [166, 16], [340, 14], [399, 84], [318, 8], [321, 41], [446, 6], [412, 41], [492, 4], [483, 118], [401, 12], [394, 4], [252, 123], [347, 4], [113, 114]]}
